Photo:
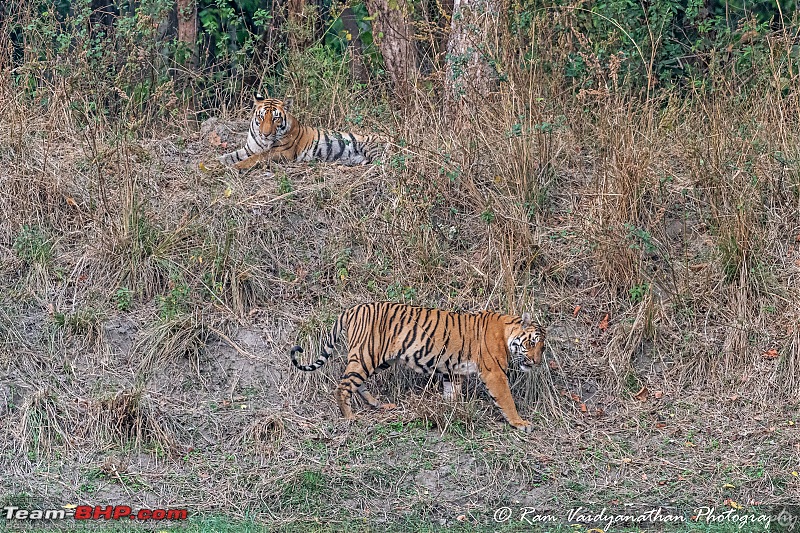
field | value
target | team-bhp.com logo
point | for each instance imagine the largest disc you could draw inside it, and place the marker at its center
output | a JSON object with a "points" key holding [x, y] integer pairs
{"points": [[93, 512]]}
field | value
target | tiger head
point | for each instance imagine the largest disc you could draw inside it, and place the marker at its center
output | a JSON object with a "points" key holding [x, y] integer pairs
{"points": [[526, 346], [272, 118]]}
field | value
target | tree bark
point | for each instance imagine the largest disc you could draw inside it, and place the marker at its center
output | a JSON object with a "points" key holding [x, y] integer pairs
{"points": [[300, 31], [470, 77], [355, 48], [187, 28], [394, 35]]}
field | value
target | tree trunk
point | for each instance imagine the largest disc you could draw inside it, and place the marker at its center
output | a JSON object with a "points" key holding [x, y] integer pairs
{"points": [[394, 35], [472, 46], [187, 29], [300, 30], [355, 48]]}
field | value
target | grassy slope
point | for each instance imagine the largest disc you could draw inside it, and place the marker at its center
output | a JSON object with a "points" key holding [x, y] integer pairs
{"points": [[148, 304]]}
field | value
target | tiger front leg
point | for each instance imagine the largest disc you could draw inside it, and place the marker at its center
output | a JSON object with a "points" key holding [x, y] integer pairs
{"points": [[497, 384], [251, 161]]}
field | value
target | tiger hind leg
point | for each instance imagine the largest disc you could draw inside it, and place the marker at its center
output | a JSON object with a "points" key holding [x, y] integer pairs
{"points": [[352, 381], [370, 399]]}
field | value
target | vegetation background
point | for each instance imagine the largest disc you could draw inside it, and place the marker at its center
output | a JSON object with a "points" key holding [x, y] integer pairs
{"points": [[627, 171]]}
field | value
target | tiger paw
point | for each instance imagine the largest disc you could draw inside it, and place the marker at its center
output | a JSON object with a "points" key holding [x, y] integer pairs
{"points": [[524, 426]]}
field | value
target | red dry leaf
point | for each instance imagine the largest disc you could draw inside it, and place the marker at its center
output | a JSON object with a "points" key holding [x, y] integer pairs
{"points": [[576, 310], [772, 353], [583, 407], [660, 425], [214, 139], [575, 398], [603, 325], [658, 394], [642, 394], [553, 365]]}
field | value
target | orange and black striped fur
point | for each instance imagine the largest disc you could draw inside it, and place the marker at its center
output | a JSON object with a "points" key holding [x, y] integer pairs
{"points": [[432, 341], [276, 135]]}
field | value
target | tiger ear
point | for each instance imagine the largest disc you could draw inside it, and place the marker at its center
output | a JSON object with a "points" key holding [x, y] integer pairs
{"points": [[287, 103], [526, 320], [258, 97]]}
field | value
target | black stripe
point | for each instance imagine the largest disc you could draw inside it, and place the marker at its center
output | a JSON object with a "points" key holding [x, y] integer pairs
{"points": [[340, 141]]}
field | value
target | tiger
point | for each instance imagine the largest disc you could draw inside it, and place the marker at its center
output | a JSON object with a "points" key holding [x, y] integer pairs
{"points": [[428, 341], [276, 135]]}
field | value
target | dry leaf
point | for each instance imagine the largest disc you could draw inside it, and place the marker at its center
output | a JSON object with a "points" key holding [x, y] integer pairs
{"points": [[575, 398], [658, 394], [214, 139], [461, 517], [730, 503], [642, 394], [772, 353], [660, 425], [603, 325], [552, 364], [576, 310], [583, 407]]}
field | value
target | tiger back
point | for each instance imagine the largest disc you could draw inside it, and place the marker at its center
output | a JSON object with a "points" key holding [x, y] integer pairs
{"points": [[431, 341], [276, 135]]}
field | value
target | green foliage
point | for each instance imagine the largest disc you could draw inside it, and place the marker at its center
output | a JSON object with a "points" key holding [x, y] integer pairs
{"points": [[122, 298], [640, 239], [637, 292], [337, 38], [674, 43], [32, 245], [342, 261], [285, 185], [176, 301], [399, 293]]}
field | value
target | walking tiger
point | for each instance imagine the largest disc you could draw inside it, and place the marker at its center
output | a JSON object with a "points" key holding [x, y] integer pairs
{"points": [[276, 135], [432, 341]]}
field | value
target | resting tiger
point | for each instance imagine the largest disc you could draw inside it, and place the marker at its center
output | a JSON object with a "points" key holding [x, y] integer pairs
{"points": [[432, 340], [276, 135]]}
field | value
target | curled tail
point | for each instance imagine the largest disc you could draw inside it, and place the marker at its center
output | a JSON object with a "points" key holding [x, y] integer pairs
{"points": [[326, 348]]}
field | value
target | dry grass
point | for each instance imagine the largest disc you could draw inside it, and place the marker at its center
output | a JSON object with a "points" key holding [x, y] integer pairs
{"points": [[180, 288]]}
